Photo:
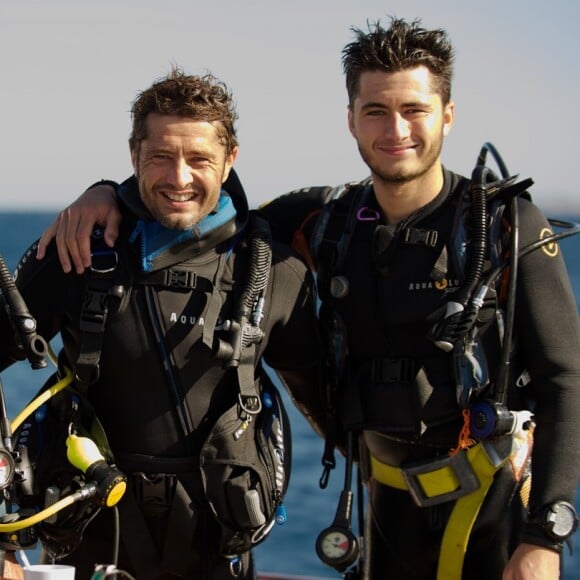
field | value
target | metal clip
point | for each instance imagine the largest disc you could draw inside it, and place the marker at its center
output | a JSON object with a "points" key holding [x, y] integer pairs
{"points": [[104, 261]]}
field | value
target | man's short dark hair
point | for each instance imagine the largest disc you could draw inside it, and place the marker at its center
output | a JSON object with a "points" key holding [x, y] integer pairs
{"points": [[402, 46], [201, 98]]}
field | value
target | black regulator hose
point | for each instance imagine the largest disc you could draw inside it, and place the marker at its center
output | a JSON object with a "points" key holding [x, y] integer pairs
{"points": [[244, 328], [260, 242], [24, 324], [462, 312], [479, 178], [501, 382], [490, 148]]}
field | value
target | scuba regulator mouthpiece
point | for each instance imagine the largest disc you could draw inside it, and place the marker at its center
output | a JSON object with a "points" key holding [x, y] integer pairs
{"points": [[85, 455]]}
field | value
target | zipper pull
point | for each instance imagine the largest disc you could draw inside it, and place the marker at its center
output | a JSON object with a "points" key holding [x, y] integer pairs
{"points": [[280, 510], [242, 428]]}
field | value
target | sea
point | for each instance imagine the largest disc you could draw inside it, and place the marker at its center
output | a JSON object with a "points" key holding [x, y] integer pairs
{"points": [[290, 547]]}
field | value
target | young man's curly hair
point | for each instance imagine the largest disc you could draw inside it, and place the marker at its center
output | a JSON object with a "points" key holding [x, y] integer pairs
{"points": [[402, 46], [201, 98]]}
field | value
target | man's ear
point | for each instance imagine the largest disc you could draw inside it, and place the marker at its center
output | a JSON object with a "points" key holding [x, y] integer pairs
{"points": [[448, 117], [351, 122]]}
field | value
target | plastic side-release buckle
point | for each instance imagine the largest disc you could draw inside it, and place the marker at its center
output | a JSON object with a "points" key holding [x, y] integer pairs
{"points": [[441, 480]]}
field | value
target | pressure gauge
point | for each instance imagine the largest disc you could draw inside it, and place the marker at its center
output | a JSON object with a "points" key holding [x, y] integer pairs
{"points": [[337, 547], [6, 468]]}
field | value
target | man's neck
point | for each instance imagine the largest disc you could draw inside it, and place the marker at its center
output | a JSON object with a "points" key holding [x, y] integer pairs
{"points": [[399, 200]]}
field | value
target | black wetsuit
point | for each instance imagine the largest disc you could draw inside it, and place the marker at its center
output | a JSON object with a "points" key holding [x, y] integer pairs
{"points": [[160, 389], [389, 310]]}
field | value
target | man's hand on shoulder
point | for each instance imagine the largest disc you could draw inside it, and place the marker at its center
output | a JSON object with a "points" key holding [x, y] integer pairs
{"points": [[73, 226]]}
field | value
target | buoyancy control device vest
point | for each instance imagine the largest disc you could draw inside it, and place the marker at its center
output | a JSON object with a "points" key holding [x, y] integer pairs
{"points": [[392, 376]]}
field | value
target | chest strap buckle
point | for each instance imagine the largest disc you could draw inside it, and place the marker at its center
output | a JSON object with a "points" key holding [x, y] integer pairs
{"points": [[392, 370]]}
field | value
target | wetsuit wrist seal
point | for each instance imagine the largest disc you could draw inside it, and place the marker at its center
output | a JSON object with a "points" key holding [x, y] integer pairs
{"points": [[534, 534], [552, 525]]}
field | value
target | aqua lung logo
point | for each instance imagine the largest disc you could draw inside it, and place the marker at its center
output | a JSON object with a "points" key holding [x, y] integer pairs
{"points": [[550, 248], [190, 320], [446, 286]]}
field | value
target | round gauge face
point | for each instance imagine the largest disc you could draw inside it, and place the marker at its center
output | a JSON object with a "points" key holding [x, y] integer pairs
{"points": [[6, 469], [334, 544], [563, 521]]}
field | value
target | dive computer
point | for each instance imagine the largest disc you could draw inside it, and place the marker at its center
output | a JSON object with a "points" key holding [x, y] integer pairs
{"points": [[558, 520]]}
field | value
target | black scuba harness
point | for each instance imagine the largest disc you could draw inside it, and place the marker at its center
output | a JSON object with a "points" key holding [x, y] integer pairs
{"points": [[457, 330], [234, 347]]}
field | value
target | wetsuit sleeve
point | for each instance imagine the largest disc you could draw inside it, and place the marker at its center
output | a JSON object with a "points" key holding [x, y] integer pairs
{"points": [[47, 293], [294, 349], [548, 332], [287, 213]]}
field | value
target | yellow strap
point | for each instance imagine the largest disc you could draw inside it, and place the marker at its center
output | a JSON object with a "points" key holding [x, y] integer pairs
{"points": [[438, 482], [465, 511], [434, 483], [387, 474], [463, 516]]}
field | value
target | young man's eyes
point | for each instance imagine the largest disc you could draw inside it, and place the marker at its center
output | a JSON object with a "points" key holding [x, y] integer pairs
{"points": [[416, 110], [410, 112]]}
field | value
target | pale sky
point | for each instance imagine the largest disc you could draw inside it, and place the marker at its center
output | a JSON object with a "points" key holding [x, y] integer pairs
{"points": [[71, 69]]}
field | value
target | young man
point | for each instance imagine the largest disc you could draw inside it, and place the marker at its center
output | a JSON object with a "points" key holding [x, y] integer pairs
{"points": [[440, 378], [196, 295]]}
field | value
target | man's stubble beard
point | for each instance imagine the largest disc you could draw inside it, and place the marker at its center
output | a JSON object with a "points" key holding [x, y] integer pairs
{"points": [[400, 177]]}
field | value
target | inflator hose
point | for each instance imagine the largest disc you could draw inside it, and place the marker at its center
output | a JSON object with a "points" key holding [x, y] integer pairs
{"points": [[260, 261], [479, 231], [24, 324]]}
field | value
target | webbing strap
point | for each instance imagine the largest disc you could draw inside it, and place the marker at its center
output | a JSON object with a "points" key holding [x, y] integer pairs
{"points": [[137, 540], [444, 481], [95, 308], [214, 304], [175, 553], [463, 516], [180, 533]]}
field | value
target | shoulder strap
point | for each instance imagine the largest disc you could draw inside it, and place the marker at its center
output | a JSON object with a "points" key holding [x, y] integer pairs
{"points": [[329, 245], [102, 293], [334, 229]]}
